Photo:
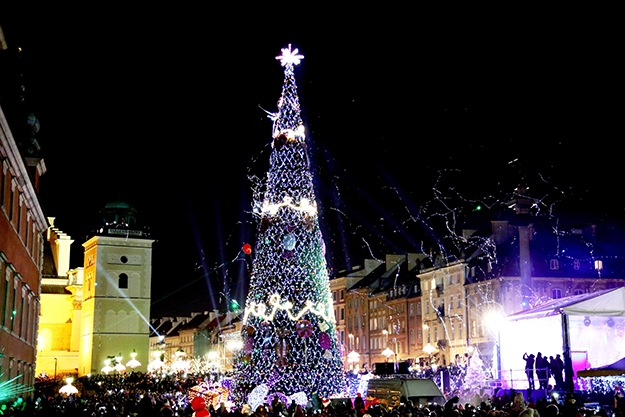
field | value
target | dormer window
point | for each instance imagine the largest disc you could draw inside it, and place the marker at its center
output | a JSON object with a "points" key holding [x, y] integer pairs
{"points": [[598, 265], [576, 264], [554, 264]]}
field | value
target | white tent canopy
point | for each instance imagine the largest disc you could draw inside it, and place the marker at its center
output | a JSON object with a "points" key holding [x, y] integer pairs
{"points": [[607, 303]]}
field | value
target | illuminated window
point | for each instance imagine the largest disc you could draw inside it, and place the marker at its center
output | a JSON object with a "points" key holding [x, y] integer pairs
{"points": [[598, 265]]}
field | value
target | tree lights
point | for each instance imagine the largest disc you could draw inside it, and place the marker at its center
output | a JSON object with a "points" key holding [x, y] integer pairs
{"points": [[290, 348]]}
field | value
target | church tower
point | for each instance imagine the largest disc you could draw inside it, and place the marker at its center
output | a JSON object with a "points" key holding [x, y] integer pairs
{"points": [[116, 292]]}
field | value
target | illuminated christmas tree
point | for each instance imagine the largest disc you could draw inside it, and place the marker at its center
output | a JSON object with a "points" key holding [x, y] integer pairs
{"points": [[290, 342]]}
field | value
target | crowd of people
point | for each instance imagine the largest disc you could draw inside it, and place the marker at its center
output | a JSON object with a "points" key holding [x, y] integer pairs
{"points": [[544, 368], [139, 394]]}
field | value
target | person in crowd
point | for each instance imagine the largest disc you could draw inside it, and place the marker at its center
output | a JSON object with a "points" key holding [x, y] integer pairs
{"points": [[542, 371], [529, 369]]}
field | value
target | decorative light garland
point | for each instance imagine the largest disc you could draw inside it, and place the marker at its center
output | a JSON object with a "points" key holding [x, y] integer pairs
{"points": [[304, 206], [260, 309]]}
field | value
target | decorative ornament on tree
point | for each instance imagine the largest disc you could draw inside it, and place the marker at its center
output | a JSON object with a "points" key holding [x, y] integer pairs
{"points": [[324, 341], [289, 241], [304, 328]]}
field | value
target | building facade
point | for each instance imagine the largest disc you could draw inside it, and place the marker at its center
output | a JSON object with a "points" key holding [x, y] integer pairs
{"points": [[116, 304], [22, 224]]}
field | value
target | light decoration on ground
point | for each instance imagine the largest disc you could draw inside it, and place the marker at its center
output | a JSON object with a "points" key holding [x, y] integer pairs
{"points": [[213, 393], [289, 324], [601, 384], [68, 389]]}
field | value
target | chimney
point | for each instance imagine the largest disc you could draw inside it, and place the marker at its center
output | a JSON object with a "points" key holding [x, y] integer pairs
{"points": [[525, 264]]}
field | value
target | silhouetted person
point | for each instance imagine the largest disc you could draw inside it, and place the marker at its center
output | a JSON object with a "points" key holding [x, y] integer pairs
{"points": [[529, 369], [541, 370], [557, 366]]}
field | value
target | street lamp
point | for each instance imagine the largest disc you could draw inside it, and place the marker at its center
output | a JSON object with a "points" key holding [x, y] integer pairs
{"points": [[388, 353], [429, 349], [68, 389], [107, 366], [119, 367], [352, 357], [133, 363]]}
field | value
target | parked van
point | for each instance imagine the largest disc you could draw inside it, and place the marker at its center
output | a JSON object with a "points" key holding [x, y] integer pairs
{"points": [[419, 391]]}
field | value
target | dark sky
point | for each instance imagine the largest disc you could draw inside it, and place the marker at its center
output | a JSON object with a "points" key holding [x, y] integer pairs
{"points": [[161, 109]]}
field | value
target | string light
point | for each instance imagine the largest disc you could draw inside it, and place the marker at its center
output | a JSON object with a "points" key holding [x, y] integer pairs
{"points": [[323, 310]]}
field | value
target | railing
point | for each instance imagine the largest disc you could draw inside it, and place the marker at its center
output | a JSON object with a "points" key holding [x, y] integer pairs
{"points": [[518, 379]]}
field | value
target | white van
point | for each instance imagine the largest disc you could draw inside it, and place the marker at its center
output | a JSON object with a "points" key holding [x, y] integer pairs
{"points": [[419, 391]]}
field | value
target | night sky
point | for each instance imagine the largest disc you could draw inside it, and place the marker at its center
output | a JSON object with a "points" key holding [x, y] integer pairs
{"points": [[406, 126]]}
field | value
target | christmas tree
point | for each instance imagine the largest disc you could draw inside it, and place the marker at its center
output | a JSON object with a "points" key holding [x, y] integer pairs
{"points": [[290, 343], [475, 379]]}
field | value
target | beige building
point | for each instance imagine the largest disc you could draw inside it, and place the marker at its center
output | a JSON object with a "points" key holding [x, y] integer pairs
{"points": [[116, 305], [60, 321], [102, 310]]}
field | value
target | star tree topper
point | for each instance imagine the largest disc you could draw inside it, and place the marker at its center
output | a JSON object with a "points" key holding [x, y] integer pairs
{"points": [[290, 57]]}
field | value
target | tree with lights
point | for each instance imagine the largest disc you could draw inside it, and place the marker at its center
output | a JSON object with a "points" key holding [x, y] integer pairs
{"points": [[475, 377], [290, 344]]}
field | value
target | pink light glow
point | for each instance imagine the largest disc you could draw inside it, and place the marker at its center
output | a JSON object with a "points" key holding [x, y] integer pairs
{"points": [[599, 343]]}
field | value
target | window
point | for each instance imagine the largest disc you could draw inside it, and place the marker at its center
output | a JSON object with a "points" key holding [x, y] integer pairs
{"points": [[556, 294], [418, 308], [419, 336], [554, 264], [451, 302], [123, 281], [576, 264], [411, 310], [412, 336], [598, 265], [578, 292], [342, 295]]}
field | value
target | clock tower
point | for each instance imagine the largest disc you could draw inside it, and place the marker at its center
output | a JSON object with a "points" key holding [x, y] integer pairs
{"points": [[116, 292]]}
